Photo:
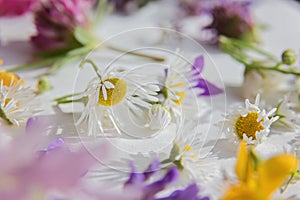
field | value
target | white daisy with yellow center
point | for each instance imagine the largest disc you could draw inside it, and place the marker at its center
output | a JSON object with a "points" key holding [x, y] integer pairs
{"points": [[252, 123], [17, 103], [110, 92], [188, 155]]}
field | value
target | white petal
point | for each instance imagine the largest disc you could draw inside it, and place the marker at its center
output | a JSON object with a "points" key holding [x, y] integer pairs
{"points": [[104, 92], [109, 85]]}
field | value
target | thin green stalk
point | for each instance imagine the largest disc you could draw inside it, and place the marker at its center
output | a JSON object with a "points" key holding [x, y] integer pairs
{"points": [[95, 67], [67, 96], [155, 58], [69, 101]]}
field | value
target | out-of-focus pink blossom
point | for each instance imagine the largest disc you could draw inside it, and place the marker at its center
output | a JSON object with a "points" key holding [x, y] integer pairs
{"points": [[56, 21], [17, 7], [26, 174]]}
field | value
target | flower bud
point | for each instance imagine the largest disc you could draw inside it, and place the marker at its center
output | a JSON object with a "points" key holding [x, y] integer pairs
{"points": [[43, 85], [289, 57]]}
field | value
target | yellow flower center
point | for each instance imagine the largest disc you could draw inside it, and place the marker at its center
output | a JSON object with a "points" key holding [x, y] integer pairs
{"points": [[114, 95], [187, 148], [248, 125], [9, 78]]}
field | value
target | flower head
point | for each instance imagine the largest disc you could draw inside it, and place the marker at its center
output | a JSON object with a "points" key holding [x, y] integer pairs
{"points": [[232, 19], [184, 81], [17, 7], [259, 179], [17, 103], [113, 91], [252, 123], [56, 22], [186, 155]]}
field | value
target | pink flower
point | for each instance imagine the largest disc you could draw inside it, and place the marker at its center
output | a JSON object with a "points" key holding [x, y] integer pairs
{"points": [[17, 7], [25, 174], [56, 21]]}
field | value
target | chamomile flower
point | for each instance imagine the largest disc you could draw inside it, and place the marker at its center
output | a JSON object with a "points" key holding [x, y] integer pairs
{"points": [[17, 103], [251, 124], [186, 155], [183, 83], [112, 92]]}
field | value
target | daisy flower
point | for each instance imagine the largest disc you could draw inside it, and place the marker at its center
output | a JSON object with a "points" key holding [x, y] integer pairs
{"points": [[111, 94], [186, 154], [183, 83], [17, 103], [251, 124]]}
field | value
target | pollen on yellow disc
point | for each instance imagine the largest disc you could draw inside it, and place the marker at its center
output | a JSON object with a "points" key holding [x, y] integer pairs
{"points": [[248, 125], [114, 95], [9, 78], [181, 96]]}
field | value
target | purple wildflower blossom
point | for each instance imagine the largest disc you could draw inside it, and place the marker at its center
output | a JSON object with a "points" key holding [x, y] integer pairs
{"points": [[137, 182], [206, 87]]}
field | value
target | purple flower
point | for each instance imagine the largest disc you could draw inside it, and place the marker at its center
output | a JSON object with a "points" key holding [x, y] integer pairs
{"points": [[17, 7], [232, 19], [138, 183], [56, 21], [206, 87]]}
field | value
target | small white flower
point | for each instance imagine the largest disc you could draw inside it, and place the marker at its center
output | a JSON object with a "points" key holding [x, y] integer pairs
{"points": [[188, 155], [251, 123], [113, 94], [159, 117], [17, 103]]}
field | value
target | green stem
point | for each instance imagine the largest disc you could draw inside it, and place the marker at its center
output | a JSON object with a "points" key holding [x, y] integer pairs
{"points": [[67, 96], [95, 67], [240, 43], [155, 58], [69, 101], [36, 64], [274, 68]]}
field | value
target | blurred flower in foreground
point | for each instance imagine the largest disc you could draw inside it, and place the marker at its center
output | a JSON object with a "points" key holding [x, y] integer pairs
{"points": [[251, 124], [259, 179], [148, 191], [17, 103], [30, 174], [17, 7], [128, 6]]}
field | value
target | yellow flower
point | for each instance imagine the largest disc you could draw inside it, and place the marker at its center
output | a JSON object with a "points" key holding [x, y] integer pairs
{"points": [[258, 180]]}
